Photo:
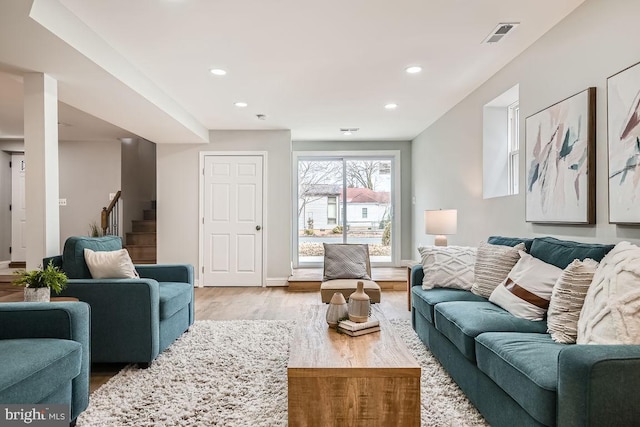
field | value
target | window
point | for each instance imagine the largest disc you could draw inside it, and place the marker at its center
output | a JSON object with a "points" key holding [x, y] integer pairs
{"points": [[500, 145], [350, 197], [332, 210], [513, 154]]}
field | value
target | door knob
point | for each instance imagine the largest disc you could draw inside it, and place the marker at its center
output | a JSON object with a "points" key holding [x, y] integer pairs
{"points": [[258, 227]]}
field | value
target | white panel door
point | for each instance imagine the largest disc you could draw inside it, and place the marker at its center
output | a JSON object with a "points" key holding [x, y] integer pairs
{"points": [[232, 223], [18, 209]]}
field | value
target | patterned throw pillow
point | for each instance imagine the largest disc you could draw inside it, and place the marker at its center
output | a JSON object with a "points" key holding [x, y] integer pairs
{"points": [[611, 310], [345, 261], [493, 264], [527, 289], [447, 266], [567, 299]]}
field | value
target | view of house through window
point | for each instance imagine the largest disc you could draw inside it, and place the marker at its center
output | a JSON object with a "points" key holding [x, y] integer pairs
{"points": [[344, 200]]}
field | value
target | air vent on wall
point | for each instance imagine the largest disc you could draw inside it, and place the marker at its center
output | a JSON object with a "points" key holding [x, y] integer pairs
{"points": [[500, 31]]}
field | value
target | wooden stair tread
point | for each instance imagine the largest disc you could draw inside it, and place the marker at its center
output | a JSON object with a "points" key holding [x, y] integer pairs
{"points": [[141, 240]]}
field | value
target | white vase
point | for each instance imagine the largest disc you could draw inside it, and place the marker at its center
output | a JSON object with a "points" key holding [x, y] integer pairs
{"points": [[337, 309], [37, 294], [359, 305]]}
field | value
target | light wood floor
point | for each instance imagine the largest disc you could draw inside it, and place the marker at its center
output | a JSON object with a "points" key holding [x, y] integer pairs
{"points": [[247, 304]]}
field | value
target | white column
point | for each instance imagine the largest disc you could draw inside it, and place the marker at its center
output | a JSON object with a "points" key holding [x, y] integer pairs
{"points": [[41, 159]]}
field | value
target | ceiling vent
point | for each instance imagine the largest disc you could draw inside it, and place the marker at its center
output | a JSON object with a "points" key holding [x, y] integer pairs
{"points": [[500, 31]]}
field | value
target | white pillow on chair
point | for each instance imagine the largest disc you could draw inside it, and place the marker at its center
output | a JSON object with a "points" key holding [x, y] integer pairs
{"points": [[110, 264]]}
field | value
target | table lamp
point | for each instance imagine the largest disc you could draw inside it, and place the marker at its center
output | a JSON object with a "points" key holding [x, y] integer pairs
{"points": [[441, 222]]}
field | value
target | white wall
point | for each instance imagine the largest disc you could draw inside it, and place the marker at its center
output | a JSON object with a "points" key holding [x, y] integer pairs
{"points": [[89, 171], [178, 197], [596, 41], [494, 152]]}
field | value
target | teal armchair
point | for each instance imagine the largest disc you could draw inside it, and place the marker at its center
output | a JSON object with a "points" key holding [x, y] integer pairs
{"points": [[45, 354], [132, 320]]}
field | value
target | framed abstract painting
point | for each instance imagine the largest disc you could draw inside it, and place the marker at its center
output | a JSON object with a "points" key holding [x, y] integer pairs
{"points": [[560, 161], [623, 131]]}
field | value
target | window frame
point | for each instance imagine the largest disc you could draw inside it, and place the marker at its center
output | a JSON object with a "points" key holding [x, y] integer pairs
{"points": [[396, 199], [513, 148]]}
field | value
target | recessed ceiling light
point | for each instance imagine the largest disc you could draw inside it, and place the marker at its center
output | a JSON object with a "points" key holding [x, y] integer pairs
{"points": [[218, 71], [414, 69], [240, 104], [391, 106]]}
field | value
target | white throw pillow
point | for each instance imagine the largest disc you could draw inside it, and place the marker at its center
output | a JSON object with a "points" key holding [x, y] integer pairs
{"points": [[110, 264], [493, 264], [567, 299], [447, 266], [611, 310], [527, 289]]}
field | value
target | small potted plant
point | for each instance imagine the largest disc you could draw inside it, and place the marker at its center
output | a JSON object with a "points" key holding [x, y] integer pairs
{"points": [[39, 283]]}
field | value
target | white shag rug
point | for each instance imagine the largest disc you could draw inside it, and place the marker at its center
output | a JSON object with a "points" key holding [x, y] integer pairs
{"points": [[234, 373]]}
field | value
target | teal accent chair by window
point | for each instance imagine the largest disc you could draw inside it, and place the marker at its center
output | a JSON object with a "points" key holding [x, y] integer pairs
{"points": [[132, 320], [45, 355]]}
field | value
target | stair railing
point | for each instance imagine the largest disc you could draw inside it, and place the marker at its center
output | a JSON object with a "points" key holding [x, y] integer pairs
{"points": [[110, 217]]}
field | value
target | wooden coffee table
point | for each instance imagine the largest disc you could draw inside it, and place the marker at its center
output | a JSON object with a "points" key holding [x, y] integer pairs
{"points": [[335, 379]]}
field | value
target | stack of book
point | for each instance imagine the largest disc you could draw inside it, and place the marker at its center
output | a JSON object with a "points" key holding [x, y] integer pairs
{"points": [[355, 329]]}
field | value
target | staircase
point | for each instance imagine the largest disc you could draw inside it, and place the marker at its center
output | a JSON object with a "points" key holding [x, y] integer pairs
{"points": [[141, 241]]}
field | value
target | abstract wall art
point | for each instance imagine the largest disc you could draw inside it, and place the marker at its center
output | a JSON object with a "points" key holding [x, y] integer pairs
{"points": [[560, 161], [623, 128]]}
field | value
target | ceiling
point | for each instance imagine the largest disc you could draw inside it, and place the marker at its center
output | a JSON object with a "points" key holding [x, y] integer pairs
{"points": [[141, 67]]}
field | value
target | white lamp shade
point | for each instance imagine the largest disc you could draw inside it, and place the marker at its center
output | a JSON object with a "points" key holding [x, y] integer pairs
{"points": [[440, 222]]}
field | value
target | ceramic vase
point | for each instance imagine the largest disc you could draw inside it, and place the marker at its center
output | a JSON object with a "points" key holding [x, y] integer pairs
{"points": [[359, 304], [337, 309], [37, 294]]}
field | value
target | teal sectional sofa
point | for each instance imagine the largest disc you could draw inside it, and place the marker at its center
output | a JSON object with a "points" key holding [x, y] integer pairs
{"points": [[44, 354], [512, 370], [132, 320]]}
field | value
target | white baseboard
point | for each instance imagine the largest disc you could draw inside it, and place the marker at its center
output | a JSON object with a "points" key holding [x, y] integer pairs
{"points": [[277, 281]]}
